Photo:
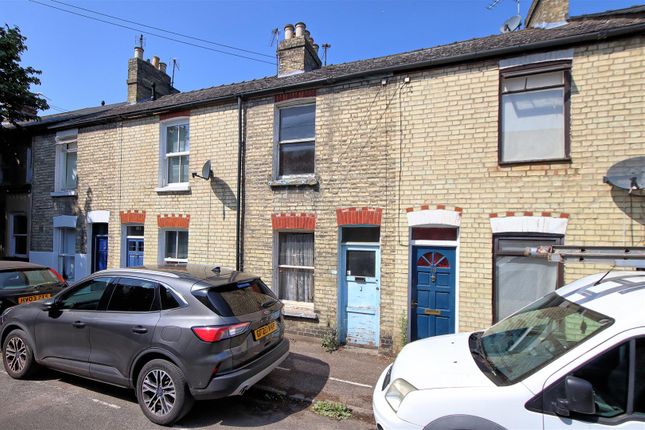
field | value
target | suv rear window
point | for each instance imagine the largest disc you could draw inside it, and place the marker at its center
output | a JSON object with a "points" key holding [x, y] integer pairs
{"points": [[27, 278], [238, 298]]}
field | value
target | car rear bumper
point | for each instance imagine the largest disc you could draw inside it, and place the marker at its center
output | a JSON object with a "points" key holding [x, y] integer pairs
{"points": [[238, 381]]}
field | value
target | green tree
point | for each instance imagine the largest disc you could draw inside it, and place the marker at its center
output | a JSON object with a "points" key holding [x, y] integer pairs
{"points": [[17, 102]]}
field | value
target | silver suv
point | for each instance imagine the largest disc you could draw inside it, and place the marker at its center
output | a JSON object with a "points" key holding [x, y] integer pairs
{"points": [[175, 334]]}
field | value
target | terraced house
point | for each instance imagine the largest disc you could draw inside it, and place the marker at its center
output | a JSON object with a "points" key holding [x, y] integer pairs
{"points": [[383, 198]]}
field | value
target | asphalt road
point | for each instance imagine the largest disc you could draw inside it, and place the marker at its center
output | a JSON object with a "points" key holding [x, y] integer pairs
{"points": [[56, 401]]}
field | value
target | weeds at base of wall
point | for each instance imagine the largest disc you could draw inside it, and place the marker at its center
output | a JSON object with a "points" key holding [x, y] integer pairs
{"points": [[404, 330], [330, 341], [335, 410]]}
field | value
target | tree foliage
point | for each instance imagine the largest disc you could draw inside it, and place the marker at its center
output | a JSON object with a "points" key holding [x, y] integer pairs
{"points": [[17, 102]]}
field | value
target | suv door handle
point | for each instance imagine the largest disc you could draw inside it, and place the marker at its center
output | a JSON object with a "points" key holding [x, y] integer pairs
{"points": [[78, 324], [139, 329]]}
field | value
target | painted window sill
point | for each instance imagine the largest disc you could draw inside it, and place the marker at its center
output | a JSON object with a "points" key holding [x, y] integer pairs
{"points": [[67, 193], [299, 310], [173, 188], [294, 181]]}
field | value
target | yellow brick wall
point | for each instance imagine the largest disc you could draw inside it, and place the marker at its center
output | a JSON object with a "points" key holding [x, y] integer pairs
{"points": [[118, 167], [432, 140]]}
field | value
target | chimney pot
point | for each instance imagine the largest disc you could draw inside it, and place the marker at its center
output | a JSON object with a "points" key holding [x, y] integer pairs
{"points": [[163, 67], [288, 31], [138, 52], [307, 34], [300, 29], [316, 47], [155, 62]]}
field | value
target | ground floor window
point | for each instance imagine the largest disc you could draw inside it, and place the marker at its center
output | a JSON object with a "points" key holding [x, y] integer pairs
{"points": [[519, 280], [175, 246], [66, 252], [18, 235], [296, 266]]}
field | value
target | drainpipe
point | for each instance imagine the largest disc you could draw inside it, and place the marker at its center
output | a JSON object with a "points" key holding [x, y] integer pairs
{"points": [[239, 227]]}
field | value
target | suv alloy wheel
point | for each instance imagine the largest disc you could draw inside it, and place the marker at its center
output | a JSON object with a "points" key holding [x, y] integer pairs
{"points": [[162, 392], [18, 357]]}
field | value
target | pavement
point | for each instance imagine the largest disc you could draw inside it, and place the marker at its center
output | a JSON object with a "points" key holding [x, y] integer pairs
{"points": [[310, 373]]}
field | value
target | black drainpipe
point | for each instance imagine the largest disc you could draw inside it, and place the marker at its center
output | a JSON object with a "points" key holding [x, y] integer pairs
{"points": [[239, 227]]}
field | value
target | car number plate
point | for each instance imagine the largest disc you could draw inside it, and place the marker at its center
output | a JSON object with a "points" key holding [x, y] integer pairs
{"points": [[265, 330], [29, 299]]}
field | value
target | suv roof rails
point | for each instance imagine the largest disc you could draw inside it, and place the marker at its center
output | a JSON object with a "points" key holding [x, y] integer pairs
{"points": [[622, 256]]}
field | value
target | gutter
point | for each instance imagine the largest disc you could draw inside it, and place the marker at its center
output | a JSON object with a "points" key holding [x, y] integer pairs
{"points": [[499, 52]]}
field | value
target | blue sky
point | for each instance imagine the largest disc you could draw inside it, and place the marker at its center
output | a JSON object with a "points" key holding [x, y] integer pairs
{"points": [[85, 61]]}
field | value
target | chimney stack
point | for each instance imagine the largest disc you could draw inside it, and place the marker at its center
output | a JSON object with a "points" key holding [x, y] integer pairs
{"points": [[547, 13], [297, 53], [147, 80]]}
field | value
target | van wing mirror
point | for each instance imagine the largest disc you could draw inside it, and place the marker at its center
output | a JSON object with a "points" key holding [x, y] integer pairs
{"points": [[580, 398]]}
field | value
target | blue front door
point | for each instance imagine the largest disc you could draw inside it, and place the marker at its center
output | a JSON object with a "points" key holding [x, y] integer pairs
{"points": [[433, 291], [135, 252], [101, 252], [360, 295]]}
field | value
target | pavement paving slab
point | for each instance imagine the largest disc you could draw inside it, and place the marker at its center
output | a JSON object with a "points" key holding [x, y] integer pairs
{"points": [[310, 373]]}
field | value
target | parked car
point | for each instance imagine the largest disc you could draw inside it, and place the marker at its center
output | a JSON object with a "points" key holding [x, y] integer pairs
{"points": [[174, 334], [573, 359], [22, 282]]}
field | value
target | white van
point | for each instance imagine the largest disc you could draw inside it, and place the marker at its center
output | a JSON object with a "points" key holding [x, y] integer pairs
{"points": [[574, 359]]}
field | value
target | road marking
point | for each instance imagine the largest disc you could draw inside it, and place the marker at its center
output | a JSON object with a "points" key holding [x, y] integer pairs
{"points": [[350, 382], [283, 368], [110, 405]]}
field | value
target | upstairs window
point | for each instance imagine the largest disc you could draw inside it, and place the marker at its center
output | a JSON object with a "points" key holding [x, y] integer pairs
{"points": [[534, 113], [65, 171], [296, 140], [175, 151]]}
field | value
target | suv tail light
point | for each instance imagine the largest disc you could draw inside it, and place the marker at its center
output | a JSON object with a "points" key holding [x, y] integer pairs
{"points": [[216, 333]]}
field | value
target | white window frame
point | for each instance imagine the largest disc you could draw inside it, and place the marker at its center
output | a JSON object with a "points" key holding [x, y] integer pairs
{"points": [[163, 155], [278, 143], [13, 235], [63, 141], [293, 305], [162, 246], [526, 71], [60, 244]]}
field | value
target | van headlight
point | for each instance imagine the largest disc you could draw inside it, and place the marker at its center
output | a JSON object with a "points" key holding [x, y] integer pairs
{"points": [[397, 392]]}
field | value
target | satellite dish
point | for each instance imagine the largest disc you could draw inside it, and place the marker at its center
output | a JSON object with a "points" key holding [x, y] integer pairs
{"points": [[628, 175], [511, 24], [207, 173]]}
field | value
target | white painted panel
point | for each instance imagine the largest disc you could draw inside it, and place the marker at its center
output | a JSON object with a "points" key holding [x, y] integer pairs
{"points": [[98, 216], [65, 221], [564, 54], [435, 217], [529, 224], [81, 267], [45, 258]]}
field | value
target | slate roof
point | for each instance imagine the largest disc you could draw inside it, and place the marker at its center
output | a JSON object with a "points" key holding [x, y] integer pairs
{"points": [[581, 29]]}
